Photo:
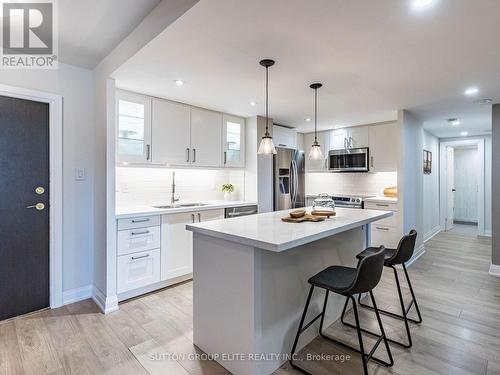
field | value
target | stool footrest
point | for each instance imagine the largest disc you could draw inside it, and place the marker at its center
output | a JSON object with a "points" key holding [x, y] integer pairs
{"points": [[394, 315], [406, 346], [311, 322]]}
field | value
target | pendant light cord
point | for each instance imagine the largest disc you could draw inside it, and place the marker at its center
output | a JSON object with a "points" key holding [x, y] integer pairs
{"points": [[267, 101], [316, 116]]}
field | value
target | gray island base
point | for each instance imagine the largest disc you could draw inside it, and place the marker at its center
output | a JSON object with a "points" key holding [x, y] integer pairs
{"points": [[250, 282]]}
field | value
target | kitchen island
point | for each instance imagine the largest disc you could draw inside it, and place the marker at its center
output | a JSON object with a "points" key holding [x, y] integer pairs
{"points": [[250, 282]]}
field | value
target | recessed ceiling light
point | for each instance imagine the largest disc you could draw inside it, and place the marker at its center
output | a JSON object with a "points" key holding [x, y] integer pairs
{"points": [[179, 82], [419, 4], [471, 91], [483, 101], [308, 119], [453, 121], [253, 104], [464, 134]]}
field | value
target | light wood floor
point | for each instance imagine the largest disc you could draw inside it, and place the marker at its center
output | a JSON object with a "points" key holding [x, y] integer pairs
{"points": [[460, 334]]}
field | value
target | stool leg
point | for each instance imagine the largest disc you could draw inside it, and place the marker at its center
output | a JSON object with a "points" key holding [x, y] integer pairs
{"points": [[299, 331], [386, 342], [360, 337], [324, 311], [344, 310], [403, 309], [413, 295]]}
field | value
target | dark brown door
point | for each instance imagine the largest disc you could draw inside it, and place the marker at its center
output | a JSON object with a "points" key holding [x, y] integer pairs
{"points": [[24, 229]]}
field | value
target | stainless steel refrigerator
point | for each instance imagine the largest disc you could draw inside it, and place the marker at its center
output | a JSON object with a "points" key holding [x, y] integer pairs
{"points": [[289, 179]]}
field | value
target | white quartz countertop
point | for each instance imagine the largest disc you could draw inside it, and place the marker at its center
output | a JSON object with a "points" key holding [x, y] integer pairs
{"points": [[125, 212], [267, 231], [382, 199]]}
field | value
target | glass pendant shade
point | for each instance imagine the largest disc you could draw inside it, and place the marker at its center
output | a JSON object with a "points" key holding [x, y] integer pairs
{"points": [[266, 146], [315, 153]]}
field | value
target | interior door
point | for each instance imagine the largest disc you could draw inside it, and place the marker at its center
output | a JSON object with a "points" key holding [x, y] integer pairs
{"points": [[24, 206], [450, 187]]}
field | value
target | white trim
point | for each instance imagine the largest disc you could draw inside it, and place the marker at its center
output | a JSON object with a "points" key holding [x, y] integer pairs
{"points": [[480, 183], [432, 233], [417, 254], [494, 270], [55, 186], [154, 287], [107, 305], [77, 294]]}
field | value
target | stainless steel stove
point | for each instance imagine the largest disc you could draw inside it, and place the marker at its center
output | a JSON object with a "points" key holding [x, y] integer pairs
{"points": [[348, 201]]}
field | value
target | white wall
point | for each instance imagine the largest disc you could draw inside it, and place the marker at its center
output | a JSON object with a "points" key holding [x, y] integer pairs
{"points": [[466, 184], [350, 183], [76, 85], [153, 186], [431, 188]]}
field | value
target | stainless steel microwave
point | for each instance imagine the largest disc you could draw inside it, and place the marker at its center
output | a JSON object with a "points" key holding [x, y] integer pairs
{"points": [[349, 160]]}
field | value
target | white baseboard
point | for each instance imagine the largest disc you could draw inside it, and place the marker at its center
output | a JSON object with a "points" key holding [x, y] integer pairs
{"points": [[416, 254], [487, 233], [494, 270], [106, 304], [432, 233], [77, 294]]}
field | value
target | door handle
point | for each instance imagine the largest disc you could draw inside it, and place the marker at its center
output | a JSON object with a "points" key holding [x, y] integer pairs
{"points": [[453, 189], [187, 153], [38, 206], [194, 155], [199, 217]]}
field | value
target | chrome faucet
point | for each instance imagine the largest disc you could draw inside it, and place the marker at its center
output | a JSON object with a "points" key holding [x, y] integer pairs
{"points": [[173, 199]]}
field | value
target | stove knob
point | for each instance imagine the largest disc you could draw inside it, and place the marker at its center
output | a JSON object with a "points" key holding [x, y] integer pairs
{"points": [[358, 200]]}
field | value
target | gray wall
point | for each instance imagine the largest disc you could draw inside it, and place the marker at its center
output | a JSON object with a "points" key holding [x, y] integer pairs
{"points": [[495, 184]]}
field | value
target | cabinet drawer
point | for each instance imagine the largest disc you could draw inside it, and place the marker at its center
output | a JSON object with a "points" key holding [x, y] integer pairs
{"points": [[138, 222], [138, 270], [384, 235], [139, 239], [391, 221], [385, 206]]}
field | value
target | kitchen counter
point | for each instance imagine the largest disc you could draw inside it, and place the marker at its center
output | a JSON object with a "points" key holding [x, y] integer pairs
{"points": [[381, 199], [125, 212], [250, 282], [267, 231]]}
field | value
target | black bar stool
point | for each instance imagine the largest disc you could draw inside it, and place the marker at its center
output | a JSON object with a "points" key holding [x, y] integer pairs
{"points": [[348, 281], [393, 257]]}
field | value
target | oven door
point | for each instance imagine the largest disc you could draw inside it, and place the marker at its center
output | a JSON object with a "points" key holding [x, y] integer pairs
{"points": [[352, 160]]}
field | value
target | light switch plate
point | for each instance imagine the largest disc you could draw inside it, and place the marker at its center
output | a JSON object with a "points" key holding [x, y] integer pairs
{"points": [[80, 174]]}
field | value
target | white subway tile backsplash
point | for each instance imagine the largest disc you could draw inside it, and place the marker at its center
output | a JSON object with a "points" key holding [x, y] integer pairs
{"points": [[350, 183], [152, 186]]}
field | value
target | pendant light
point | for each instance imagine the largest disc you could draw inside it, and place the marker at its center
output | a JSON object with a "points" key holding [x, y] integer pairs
{"points": [[266, 144], [315, 153]]}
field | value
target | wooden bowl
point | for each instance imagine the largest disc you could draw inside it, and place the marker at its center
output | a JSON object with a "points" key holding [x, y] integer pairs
{"points": [[297, 213]]}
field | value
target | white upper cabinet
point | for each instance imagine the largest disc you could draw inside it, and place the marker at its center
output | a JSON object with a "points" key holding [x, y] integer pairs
{"points": [[384, 147], [358, 137], [206, 138], [324, 139], [171, 133], [354, 137], [133, 112], [284, 137], [233, 141]]}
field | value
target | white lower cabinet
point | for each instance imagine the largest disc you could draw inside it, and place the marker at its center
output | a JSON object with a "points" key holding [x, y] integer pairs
{"points": [[138, 270], [177, 242], [386, 232], [176, 245]]}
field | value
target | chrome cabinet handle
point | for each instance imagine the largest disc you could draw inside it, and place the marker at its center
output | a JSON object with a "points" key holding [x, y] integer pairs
{"points": [[38, 206], [187, 153], [281, 145], [139, 220], [382, 228], [381, 205], [371, 161], [350, 142], [139, 233], [148, 152], [192, 217], [225, 157], [199, 217], [141, 257], [194, 155], [345, 142]]}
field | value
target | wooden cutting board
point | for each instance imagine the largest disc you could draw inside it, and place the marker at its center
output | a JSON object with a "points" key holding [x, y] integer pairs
{"points": [[306, 217]]}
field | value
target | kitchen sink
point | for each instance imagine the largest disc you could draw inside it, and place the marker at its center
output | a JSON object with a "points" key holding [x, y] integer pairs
{"points": [[182, 205]]}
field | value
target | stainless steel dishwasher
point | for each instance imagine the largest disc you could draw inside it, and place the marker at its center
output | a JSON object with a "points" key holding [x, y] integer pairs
{"points": [[240, 211]]}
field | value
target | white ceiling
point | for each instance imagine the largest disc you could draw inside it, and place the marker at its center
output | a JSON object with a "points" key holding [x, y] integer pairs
{"points": [[89, 30], [373, 57]]}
